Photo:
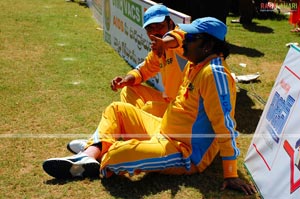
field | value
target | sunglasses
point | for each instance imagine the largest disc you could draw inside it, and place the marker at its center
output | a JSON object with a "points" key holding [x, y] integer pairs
{"points": [[192, 37]]}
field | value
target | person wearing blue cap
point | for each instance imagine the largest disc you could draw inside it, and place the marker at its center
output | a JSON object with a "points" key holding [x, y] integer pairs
{"points": [[164, 58], [197, 125], [211, 87]]}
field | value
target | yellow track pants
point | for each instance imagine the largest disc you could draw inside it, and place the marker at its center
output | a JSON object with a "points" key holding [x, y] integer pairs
{"points": [[145, 98], [131, 143]]}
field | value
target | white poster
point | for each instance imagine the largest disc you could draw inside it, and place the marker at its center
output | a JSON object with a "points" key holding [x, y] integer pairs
{"points": [[273, 158]]}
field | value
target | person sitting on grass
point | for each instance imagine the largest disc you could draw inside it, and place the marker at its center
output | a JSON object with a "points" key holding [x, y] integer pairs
{"points": [[197, 126], [164, 58]]}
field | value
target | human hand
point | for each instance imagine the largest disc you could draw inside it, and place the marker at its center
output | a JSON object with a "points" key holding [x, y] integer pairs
{"points": [[119, 82], [238, 184], [157, 45]]}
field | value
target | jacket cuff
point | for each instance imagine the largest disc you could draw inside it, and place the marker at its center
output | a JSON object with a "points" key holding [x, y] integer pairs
{"points": [[230, 168], [138, 78]]}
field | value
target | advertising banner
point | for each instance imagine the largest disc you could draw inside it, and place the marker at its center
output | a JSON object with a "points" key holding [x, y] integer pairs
{"points": [[273, 158]]}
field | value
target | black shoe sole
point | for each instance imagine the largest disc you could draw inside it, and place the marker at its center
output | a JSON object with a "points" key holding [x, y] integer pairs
{"points": [[61, 169]]}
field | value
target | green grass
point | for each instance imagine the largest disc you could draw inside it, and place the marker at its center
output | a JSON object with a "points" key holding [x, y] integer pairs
{"points": [[55, 71]]}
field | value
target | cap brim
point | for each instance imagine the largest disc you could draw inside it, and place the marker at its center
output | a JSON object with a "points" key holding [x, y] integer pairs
{"points": [[188, 28], [154, 20]]}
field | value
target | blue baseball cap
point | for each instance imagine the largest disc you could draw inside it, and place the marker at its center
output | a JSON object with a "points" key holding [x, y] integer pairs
{"points": [[209, 25], [155, 14]]}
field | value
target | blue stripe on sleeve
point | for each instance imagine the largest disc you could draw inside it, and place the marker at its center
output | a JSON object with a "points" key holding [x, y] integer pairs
{"points": [[223, 92]]}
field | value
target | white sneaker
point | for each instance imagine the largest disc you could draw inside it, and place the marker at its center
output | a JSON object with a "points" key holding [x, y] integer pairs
{"points": [[76, 146], [79, 165]]}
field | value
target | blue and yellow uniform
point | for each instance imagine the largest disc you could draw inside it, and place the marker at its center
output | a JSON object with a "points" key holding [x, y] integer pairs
{"points": [[197, 125], [203, 115]]}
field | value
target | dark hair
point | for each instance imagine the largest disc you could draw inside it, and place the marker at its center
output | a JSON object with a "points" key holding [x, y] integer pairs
{"points": [[219, 47]]}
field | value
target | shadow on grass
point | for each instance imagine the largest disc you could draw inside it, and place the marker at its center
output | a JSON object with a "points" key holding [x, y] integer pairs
{"points": [[83, 4], [246, 117], [56, 181], [242, 50], [250, 52], [255, 27], [80, 3], [273, 16], [207, 183]]}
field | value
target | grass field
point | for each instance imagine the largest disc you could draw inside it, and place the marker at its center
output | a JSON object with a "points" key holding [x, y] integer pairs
{"points": [[55, 71]]}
